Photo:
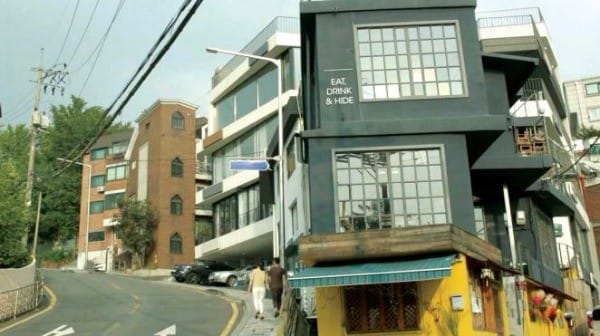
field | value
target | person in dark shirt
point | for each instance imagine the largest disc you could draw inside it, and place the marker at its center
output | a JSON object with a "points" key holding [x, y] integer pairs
{"points": [[277, 283]]}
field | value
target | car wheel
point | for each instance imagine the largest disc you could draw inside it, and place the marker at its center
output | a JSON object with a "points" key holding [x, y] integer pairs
{"points": [[231, 281], [192, 278]]}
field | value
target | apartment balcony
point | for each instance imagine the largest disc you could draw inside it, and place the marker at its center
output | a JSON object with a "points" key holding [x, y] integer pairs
{"points": [[396, 242], [203, 171]]}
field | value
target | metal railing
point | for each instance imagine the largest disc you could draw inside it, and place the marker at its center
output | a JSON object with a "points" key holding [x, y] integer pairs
{"points": [[281, 24], [21, 300], [295, 323], [533, 12], [203, 168], [251, 216]]}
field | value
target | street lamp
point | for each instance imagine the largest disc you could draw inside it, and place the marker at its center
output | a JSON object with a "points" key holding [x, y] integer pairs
{"points": [[87, 224], [277, 63]]}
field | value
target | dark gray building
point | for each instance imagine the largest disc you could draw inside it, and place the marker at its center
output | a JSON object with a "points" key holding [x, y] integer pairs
{"points": [[412, 125]]}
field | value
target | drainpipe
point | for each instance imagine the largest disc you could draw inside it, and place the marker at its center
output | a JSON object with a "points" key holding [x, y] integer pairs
{"points": [[511, 233]]}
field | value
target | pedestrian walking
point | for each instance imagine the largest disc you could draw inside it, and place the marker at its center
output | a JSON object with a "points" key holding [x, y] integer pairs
{"points": [[277, 281], [258, 287]]}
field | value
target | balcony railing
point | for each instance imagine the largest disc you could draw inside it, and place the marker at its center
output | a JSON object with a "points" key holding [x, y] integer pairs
{"points": [[509, 17], [203, 168], [279, 24]]}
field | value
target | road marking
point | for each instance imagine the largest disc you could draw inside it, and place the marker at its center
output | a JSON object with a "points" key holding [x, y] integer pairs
{"points": [[170, 330], [50, 306], [60, 331], [111, 328], [232, 320]]}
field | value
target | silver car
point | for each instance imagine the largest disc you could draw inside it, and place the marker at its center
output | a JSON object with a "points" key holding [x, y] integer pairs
{"points": [[231, 278]]}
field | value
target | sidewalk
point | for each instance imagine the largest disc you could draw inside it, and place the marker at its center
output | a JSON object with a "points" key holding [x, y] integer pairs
{"points": [[248, 325]]}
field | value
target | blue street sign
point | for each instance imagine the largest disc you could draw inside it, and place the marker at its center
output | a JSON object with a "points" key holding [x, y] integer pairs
{"points": [[261, 165]]}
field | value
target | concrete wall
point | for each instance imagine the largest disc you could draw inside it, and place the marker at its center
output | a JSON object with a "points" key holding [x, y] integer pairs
{"points": [[14, 278]]}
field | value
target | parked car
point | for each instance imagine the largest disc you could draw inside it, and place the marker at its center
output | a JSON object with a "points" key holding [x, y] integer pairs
{"points": [[231, 278], [198, 272]]}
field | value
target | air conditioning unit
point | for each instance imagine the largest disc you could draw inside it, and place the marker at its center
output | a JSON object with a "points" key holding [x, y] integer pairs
{"points": [[100, 189]]}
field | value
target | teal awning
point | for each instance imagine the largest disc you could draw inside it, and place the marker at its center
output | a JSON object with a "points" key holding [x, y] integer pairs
{"points": [[374, 272]]}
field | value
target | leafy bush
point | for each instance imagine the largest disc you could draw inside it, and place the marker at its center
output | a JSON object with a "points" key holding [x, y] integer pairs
{"points": [[58, 255]]}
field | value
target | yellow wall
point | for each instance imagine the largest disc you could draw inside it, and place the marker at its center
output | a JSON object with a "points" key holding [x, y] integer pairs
{"points": [[435, 304], [542, 326]]}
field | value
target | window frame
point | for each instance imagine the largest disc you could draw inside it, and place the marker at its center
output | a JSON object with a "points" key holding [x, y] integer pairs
{"points": [[177, 167], [388, 149], [95, 178], [175, 244], [176, 118], [176, 205], [118, 195], [411, 24], [291, 157], [116, 167], [400, 290], [103, 150], [92, 236], [92, 211], [585, 89], [591, 111]]}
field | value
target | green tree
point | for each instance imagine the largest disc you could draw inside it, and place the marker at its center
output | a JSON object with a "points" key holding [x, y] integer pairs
{"points": [[137, 222], [13, 216]]}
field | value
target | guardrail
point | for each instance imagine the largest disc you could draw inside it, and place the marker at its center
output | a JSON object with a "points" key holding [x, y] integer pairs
{"points": [[21, 300]]}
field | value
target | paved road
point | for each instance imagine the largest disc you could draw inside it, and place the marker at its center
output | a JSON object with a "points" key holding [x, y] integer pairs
{"points": [[103, 304]]}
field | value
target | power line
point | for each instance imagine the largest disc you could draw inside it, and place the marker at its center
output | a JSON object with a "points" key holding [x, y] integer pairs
{"points": [[101, 46], [157, 59], [84, 32], [68, 32]]}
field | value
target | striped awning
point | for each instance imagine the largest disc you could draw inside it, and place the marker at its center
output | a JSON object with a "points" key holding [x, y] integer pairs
{"points": [[374, 272]]}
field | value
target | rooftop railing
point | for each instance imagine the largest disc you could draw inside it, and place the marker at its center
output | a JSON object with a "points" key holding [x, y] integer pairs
{"points": [[282, 24], [507, 15]]}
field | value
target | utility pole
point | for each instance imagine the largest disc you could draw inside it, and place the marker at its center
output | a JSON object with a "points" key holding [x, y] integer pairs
{"points": [[53, 78]]}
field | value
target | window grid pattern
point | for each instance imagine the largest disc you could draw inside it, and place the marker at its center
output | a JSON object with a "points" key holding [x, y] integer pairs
{"points": [[176, 244], [176, 205], [116, 172], [377, 190], [112, 201], [404, 62], [177, 167], [96, 236], [97, 207], [592, 89], [594, 113], [480, 227], [177, 121], [382, 307], [97, 180]]}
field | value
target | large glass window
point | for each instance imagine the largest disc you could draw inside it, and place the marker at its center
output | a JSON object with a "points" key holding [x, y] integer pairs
{"points": [[246, 100], [175, 244], [176, 205], [204, 230], [480, 227], [387, 189], [227, 215], [252, 145], [111, 201], [594, 113], [116, 172], [380, 308], [592, 89], [96, 207], [177, 120], [97, 180], [402, 62], [177, 167]]}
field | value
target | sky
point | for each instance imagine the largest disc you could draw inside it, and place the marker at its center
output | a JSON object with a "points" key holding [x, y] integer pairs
{"points": [[27, 26]]}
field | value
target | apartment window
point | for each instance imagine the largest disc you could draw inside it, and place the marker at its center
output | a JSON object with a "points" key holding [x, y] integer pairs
{"points": [[592, 89], [404, 62], [546, 235], [119, 147], [227, 215], [116, 172], [594, 150], [177, 167], [594, 113], [290, 158], [97, 180], [96, 236], [99, 153], [96, 207], [381, 308], [111, 201], [480, 223], [177, 120], [386, 189], [485, 302], [176, 205], [175, 244]]}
